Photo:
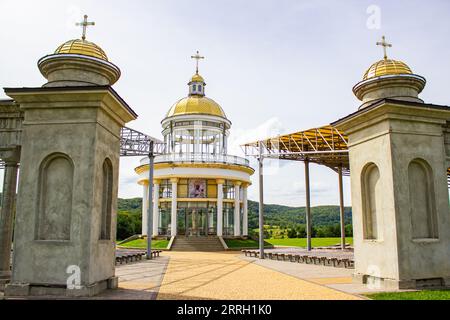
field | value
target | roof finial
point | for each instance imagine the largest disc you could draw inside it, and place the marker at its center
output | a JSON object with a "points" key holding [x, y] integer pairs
{"points": [[197, 57], [385, 45], [85, 23]]}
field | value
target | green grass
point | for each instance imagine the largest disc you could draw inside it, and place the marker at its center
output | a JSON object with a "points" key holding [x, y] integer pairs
{"points": [[243, 244], [301, 242], [415, 295], [142, 244]]}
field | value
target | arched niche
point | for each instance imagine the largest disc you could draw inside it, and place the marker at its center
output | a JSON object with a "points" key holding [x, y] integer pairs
{"points": [[106, 211], [55, 198], [422, 200], [371, 196]]}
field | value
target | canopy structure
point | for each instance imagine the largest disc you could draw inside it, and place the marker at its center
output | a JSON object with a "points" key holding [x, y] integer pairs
{"points": [[325, 146], [134, 143]]}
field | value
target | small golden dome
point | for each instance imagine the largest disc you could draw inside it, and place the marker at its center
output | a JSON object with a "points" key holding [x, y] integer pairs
{"points": [[386, 67], [82, 47], [197, 78], [196, 105]]}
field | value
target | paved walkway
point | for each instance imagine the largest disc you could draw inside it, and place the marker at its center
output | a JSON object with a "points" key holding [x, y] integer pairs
{"points": [[221, 275], [228, 275], [138, 281]]}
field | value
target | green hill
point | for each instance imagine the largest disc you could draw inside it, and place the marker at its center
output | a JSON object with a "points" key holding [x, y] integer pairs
{"points": [[325, 219], [285, 216]]}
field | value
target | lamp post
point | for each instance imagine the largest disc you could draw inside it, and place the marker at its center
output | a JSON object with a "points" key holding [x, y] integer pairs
{"points": [[261, 204], [150, 202]]}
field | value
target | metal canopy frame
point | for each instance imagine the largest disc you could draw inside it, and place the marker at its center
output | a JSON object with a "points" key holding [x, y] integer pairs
{"points": [[325, 145], [135, 143]]}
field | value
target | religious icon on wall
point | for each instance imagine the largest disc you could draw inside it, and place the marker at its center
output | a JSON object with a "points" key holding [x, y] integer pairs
{"points": [[197, 188]]}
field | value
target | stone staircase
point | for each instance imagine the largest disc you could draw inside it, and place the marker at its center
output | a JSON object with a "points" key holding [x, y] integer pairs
{"points": [[206, 244]]}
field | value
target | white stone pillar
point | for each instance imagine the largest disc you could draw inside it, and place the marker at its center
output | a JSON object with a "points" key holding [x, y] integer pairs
{"points": [[155, 208], [220, 183], [144, 209], [245, 211], [237, 209], [173, 221]]}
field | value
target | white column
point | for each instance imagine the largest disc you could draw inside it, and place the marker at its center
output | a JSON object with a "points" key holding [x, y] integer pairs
{"points": [[173, 223], [155, 208], [237, 209], [245, 211], [220, 183], [341, 208], [144, 209]]}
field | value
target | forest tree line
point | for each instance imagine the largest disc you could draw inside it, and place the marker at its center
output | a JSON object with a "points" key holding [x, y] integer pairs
{"points": [[290, 221]]}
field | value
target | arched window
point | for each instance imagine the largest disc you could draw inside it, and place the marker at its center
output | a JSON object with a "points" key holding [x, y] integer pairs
{"points": [[371, 195], [421, 199], [55, 198], [107, 188]]}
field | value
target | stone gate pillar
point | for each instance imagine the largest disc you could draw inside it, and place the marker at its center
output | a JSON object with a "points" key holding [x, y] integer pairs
{"points": [[401, 216], [64, 239]]}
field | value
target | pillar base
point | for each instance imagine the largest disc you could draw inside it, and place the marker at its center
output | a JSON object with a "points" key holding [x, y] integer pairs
{"points": [[395, 284], [28, 290]]}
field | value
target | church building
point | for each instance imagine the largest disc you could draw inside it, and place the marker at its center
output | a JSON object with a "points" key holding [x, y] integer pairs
{"points": [[199, 190]]}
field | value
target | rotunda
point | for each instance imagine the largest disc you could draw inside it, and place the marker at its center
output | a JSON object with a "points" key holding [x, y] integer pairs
{"points": [[199, 189]]}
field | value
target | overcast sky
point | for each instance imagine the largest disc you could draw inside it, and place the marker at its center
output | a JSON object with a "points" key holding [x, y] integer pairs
{"points": [[274, 66]]}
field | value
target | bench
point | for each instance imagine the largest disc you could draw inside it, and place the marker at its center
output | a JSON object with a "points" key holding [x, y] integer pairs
{"points": [[128, 257]]}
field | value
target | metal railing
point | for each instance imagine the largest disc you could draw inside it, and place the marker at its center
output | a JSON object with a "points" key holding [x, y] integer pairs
{"points": [[199, 158]]}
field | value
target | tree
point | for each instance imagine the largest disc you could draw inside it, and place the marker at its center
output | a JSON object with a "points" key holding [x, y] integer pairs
{"points": [[349, 230], [292, 233], [301, 231]]}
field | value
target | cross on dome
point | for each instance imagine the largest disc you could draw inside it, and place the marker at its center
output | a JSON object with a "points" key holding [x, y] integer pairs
{"points": [[197, 57], [85, 23], [385, 45]]}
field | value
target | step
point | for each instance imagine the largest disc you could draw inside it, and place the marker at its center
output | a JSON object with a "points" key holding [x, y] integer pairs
{"points": [[207, 244]]}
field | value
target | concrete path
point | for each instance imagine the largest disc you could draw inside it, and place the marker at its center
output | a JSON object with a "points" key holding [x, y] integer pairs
{"points": [[334, 278], [138, 281], [227, 275], [221, 275]]}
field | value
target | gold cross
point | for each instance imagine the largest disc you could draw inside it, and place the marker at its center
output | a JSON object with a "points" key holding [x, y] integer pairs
{"points": [[85, 24], [197, 57], [385, 45]]}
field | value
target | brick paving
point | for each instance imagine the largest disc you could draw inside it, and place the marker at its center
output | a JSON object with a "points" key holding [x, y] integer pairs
{"points": [[220, 275]]}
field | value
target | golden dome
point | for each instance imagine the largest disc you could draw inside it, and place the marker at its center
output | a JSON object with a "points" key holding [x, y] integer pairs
{"points": [[197, 78], [386, 67], [196, 105], [82, 47]]}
